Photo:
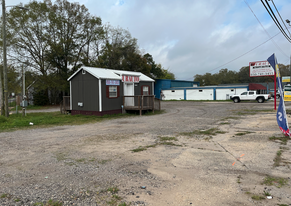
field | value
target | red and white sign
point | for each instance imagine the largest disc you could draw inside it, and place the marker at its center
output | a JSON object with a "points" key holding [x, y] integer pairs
{"points": [[134, 79], [261, 68]]}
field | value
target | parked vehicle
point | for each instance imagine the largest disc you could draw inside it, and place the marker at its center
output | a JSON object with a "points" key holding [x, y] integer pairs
{"points": [[277, 93], [250, 95]]}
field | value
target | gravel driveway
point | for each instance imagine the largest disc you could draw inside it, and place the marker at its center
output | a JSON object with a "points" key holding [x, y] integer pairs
{"points": [[196, 153]]}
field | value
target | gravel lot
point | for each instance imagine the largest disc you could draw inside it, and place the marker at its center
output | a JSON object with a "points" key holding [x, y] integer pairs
{"points": [[94, 164]]}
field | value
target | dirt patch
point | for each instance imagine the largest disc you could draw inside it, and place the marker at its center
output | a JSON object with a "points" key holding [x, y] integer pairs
{"points": [[183, 164]]}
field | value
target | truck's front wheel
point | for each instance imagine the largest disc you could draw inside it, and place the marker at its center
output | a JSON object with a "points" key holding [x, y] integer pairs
{"points": [[236, 100], [260, 100]]}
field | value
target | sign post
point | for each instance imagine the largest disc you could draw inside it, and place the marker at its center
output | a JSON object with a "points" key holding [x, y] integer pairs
{"points": [[261, 69]]}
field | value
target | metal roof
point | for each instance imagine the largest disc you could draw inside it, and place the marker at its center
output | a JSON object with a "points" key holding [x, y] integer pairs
{"points": [[102, 73]]}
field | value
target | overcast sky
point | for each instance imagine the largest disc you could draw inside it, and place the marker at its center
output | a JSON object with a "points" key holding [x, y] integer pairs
{"points": [[192, 37]]}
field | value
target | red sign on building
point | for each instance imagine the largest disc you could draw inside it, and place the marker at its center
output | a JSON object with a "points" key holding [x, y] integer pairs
{"points": [[126, 78]]}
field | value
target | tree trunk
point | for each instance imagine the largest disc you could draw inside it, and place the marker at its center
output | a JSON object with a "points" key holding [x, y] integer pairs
{"points": [[1, 95]]}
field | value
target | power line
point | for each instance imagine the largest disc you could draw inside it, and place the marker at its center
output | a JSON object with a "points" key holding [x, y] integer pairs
{"points": [[265, 30], [278, 23], [273, 16], [281, 18], [244, 53]]}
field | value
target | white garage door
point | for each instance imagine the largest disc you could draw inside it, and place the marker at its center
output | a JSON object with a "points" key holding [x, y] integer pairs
{"points": [[199, 94], [173, 94], [224, 94]]}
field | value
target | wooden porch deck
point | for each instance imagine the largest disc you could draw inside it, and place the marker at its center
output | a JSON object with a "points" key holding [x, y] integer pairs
{"points": [[138, 103], [141, 103]]}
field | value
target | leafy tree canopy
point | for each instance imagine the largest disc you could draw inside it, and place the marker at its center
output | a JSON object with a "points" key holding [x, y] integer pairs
{"points": [[54, 38], [225, 76]]}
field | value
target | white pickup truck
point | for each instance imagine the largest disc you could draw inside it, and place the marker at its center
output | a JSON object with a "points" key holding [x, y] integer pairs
{"points": [[250, 95]]}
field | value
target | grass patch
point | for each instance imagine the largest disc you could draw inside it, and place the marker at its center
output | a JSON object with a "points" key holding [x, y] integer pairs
{"points": [[259, 110], [238, 179], [267, 193], [104, 161], [123, 204], [70, 163], [278, 159], [283, 139], [241, 133], [30, 107], [4, 196], [113, 190], [223, 123], [246, 113], [61, 156], [92, 159], [49, 203], [161, 141], [3, 119], [168, 139], [114, 200], [49, 119], [140, 148], [257, 197], [227, 118], [170, 144], [212, 131], [81, 160], [276, 181], [116, 197]]}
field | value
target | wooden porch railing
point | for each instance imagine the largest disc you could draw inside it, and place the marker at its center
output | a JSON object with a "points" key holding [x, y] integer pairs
{"points": [[141, 102]]}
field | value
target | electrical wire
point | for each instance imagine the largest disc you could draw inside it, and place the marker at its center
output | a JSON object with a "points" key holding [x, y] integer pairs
{"points": [[245, 53], [281, 18], [278, 23], [275, 21], [266, 30]]}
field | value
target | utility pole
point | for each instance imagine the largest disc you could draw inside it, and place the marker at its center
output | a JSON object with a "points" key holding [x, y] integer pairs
{"points": [[4, 59], [5, 55], [288, 22], [1, 95], [23, 92]]}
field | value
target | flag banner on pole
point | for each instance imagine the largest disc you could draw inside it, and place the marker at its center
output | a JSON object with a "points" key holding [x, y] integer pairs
{"points": [[281, 112]]}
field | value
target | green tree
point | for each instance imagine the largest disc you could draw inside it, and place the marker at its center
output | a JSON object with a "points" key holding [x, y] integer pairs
{"points": [[206, 79], [28, 30], [224, 76], [52, 39], [13, 80], [70, 31]]}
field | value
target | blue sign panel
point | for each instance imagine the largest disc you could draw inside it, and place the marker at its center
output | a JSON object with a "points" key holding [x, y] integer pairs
{"points": [[113, 82]]}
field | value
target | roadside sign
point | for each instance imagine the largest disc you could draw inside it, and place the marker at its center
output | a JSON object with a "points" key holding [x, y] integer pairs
{"points": [[286, 79], [261, 68]]}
